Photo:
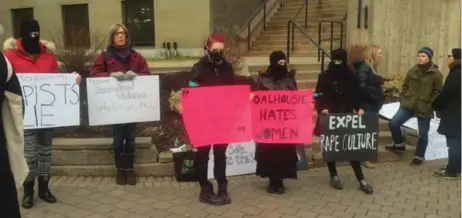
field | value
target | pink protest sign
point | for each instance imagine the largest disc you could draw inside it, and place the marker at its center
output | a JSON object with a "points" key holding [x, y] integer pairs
{"points": [[282, 117], [217, 115]]}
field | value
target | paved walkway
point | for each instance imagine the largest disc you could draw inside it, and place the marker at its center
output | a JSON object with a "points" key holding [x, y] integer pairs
{"points": [[400, 191]]}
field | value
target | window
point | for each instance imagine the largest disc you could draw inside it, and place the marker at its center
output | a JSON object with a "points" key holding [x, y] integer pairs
{"points": [[19, 15], [138, 17], [76, 26]]}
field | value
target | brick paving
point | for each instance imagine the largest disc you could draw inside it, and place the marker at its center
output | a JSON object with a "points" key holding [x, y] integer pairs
{"points": [[400, 191]]}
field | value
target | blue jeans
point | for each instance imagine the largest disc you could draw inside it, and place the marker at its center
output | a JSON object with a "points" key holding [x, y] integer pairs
{"points": [[454, 155], [124, 138], [399, 119]]}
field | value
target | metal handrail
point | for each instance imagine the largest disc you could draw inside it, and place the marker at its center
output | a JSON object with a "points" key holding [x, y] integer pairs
{"points": [[331, 39], [291, 26], [254, 15]]}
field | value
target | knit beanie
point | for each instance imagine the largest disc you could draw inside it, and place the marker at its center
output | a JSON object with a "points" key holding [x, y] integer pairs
{"points": [[428, 51], [456, 53]]}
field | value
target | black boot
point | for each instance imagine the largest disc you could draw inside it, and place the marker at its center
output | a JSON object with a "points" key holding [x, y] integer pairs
{"points": [[335, 183], [120, 177], [223, 192], [207, 196], [28, 197], [271, 186], [366, 188], [129, 160], [280, 189], [44, 191]]}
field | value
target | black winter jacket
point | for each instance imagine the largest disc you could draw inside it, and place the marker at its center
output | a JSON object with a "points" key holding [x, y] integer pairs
{"points": [[206, 73], [370, 92], [448, 103]]}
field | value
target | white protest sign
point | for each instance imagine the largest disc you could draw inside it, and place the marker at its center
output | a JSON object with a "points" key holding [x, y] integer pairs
{"points": [[437, 148], [240, 159], [114, 102], [50, 100]]}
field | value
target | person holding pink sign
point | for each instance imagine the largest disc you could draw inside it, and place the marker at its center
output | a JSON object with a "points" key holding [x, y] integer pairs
{"points": [[276, 161], [213, 70], [339, 95]]}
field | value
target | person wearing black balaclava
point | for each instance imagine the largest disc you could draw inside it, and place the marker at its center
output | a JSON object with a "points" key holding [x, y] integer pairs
{"points": [[30, 36], [339, 95], [276, 161]]}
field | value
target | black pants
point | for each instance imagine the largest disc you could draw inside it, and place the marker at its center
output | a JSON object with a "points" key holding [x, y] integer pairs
{"points": [[202, 160], [9, 206], [124, 138], [356, 165]]}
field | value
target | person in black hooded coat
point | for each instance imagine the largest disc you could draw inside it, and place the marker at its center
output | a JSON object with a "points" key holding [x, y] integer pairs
{"points": [[339, 89], [276, 161]]}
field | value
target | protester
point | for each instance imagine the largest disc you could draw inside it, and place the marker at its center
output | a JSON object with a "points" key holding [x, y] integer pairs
{"points": [[13, 166], [213, 70], [448, 104], [30, 55], [123, 63], [338, 87], [370, 82], [276, 161], [421, 86]]}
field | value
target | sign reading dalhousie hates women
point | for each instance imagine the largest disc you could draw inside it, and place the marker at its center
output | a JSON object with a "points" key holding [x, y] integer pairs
{"points": [[349, 137]]}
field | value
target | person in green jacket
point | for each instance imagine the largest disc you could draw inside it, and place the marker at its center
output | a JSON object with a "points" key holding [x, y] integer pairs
{"points": [[421, 86]]}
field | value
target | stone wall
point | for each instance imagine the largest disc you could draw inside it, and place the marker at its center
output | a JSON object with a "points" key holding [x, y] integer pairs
{"points": [[401, 27], [228, 16]]}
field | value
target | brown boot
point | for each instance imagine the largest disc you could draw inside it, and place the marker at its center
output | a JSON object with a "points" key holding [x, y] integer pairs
{"points": [[120, 177], [223, 192], [129, 160], [207, 196]]}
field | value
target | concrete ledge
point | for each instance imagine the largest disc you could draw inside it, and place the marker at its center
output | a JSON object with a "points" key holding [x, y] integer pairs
{"points": [[94, 143], [98, 157], [149, 169]]}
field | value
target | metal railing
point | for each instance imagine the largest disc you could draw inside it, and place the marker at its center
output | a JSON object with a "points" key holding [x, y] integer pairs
{"points": [[331, 39], [263, 7]]}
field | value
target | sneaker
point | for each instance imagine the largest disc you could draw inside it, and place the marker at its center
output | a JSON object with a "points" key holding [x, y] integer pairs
{"points": [[395, 147], [368, 164], [445, 175], [416, 162]]}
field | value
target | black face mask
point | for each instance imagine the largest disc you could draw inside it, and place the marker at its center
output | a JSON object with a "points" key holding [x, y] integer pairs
{"points": [[31, 44], [216, 57]]}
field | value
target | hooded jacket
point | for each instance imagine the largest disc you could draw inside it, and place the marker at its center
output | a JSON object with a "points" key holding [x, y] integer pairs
{"points": [[448, 103], [44, 62]]}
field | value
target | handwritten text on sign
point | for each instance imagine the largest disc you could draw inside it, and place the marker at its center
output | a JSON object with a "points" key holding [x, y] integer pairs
{"points": [[216, 115], [282, 116], [114, 102], [240, 159], [50, 100], [349, 137]]}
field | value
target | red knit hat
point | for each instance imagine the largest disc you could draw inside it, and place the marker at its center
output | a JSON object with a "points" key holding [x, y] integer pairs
{"points": [[216, 37]]}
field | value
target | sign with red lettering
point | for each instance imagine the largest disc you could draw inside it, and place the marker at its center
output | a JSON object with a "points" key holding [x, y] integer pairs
{"points": [[282, 116], [217, 115]]}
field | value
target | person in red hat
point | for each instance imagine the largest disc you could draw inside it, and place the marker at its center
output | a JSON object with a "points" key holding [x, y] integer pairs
{"points": [[213, 70]]}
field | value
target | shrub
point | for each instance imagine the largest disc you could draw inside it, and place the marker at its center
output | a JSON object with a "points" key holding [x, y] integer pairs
{"points": [[392, 85]]}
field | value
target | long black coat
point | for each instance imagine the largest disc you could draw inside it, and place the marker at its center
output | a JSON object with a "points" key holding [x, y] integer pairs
{"points": [[338, 93], [448, 103], [276, 160]]}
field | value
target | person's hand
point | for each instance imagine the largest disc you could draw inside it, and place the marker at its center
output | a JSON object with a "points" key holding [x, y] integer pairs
{"points": [[78, 79], [360, 112], [325, 112], [130, 75], [251, 96], [118, 75]]}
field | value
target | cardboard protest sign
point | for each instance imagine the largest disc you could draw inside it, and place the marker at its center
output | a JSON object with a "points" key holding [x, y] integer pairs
{"points": [[282, 117], [50, 100], [349, 137], [216, 115], [113, 102], [240, 159]]}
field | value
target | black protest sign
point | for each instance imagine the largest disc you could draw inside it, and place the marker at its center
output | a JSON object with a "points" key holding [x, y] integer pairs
{"points": [[349, 137]]}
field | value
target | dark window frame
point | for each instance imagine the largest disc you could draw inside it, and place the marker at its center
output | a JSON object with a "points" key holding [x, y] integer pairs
{"points": [[16, 24], [82, 24], [133, 32]]}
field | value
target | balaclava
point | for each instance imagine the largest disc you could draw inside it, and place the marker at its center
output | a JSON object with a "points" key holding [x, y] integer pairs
{"points": [[215, 57], [276, 70], [30, 43], [338, 66]]}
